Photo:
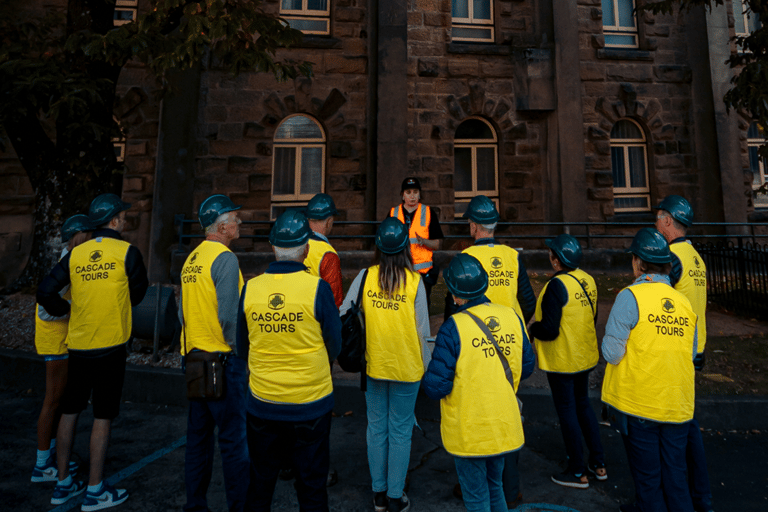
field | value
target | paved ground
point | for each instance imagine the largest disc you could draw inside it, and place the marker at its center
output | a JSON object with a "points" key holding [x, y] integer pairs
{"points": [[146, 457]]}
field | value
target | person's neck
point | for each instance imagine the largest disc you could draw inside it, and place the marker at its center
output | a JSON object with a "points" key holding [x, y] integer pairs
{"points": [[410, 209], [319, 228], [217, 237]]}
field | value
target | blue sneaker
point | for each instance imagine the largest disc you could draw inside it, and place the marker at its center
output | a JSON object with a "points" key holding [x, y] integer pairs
{"points": [[50, 472], [106, 498], [63, 494]]}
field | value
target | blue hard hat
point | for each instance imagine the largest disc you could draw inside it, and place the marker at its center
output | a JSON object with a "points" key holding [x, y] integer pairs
{"points": [[566, 248], [482, 211], [73, 225], [651, 246], [211, 208], [679, 208], [392, 236], [104, 208], [291, 229], [465, 277], [321, 207]]}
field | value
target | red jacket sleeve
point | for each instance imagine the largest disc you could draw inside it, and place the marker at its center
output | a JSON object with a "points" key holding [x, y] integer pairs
{"points": [[330, 272]]}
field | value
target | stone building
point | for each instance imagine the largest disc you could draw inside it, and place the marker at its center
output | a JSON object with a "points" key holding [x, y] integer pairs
{"points": [[559, 110]]}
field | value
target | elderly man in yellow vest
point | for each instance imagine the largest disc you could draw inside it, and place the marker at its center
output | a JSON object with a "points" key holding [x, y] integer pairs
{"points": [[210, 291], [689, 277], [289, 331], [107, 277], [323, 260]]}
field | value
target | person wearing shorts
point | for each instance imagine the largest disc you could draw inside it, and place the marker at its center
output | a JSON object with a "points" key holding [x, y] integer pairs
{"points": [[107, 277]]}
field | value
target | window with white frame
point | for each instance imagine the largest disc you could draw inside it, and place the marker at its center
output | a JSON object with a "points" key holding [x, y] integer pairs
{"points": [[298, 163], [472, 20], [620, 23], [125, 11], [629, 162], [309, 16], [475, 163], [755, 139], [745, 21]]}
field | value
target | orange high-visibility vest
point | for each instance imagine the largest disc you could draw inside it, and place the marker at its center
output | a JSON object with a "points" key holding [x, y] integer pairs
{"points": [[421, 255]]}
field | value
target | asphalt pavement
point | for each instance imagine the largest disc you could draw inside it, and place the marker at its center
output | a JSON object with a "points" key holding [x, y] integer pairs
{"points": [[146, 456]]}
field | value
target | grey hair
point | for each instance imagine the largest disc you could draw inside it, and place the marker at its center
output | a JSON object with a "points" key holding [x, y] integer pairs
{"points": [[489, 227], [290, 253], [221, 219], [675, 223]]}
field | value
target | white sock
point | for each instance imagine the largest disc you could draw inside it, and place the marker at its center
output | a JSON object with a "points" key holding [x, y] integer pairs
{"points": [[67, 482], [94, 489], [42, 457]]}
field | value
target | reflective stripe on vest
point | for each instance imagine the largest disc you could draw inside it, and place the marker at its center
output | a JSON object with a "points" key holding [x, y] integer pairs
{"points": [[693, 284], [287, 356], [480, 417], [575, 348], [655, 378], [200, 305], [501, 263], [421, 255], [317, 251], [393, 349], [101, 302]]}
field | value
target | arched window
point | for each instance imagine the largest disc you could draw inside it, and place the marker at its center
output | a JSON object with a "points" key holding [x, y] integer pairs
{"points": [[475, 163], [619, 23], [309, 16], [472, 20], [298, 163], [629, 162], [755, 139]]}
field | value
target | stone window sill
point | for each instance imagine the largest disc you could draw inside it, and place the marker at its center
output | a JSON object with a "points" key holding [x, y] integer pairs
{"points": [[319, 42], [624, 54], [479, 49]]}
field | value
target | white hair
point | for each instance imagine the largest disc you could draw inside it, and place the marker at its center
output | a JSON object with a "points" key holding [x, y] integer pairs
{"points": [[489, 227], [221, 219], [290, 253]]}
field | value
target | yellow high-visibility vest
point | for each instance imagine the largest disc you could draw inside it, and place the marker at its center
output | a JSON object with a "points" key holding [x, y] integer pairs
{"points": [[693, 284], [501, 263]]}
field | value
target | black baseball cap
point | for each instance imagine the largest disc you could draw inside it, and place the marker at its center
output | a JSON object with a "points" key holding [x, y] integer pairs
{"points": [[410, 182]]}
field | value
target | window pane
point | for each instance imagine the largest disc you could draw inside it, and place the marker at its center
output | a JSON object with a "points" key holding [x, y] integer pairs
{"points": [[462, 169], [311, 170], [754, 166], [290, 5], [475, 34], [481, 9], [486, 169], [637, 167], [626, 14], [609, 16], [615, 40], [306, 25], [317, 5], [754, 132], [738, 17], [474, 129], [626, 130], [617, 164], [284, 171], [460, 9], [634, 203], [298, 127]]}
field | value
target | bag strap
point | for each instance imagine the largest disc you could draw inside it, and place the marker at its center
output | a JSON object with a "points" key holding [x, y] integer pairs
{"points": [[591, 305], [361, 317], [489, 335], [360, 291]]}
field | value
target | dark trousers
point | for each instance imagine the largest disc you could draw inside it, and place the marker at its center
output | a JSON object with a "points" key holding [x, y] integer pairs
{"points": [[570, 393], [306, 444], [656, 453], [510, 477], [698, 477], [228, 414]]}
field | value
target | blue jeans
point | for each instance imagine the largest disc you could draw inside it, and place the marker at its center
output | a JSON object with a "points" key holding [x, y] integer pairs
{"points": [[698, 477], [228, 414], [480, 479], [570, 393], [656, 453], [390, 426], [302, 445], [510, 477]]}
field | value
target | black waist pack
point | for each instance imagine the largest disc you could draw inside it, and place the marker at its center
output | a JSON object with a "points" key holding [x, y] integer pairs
{"points": [[205, 375]]}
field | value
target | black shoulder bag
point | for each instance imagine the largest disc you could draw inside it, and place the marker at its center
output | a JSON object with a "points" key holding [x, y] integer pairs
{"points": [[352, 355], [204, 372]]}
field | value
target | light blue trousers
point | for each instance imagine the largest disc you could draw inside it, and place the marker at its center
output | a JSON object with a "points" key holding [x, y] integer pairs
{"points": [[390, 426]]}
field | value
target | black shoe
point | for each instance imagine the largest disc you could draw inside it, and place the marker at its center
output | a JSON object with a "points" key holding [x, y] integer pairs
{"points": [[568, 479], [597, 471], [401, 505], [457, 492], [512, 505], [380, 501]]}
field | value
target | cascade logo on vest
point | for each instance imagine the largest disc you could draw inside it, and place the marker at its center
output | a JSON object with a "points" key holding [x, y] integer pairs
{"points": [[493, 323], [276, 301], [189, 273], [193, 258], [668, 305], [496, 262], [503, 340], [381, 300], [696, 262], [95, 256]]}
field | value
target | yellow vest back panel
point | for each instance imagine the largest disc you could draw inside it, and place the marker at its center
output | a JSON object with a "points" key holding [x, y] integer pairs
{"points": [[480, 417], [101, 302], [501, 263], [393, 349], [575, 348], [693, 284], [422, 216], [50, 337], [317, 249], [287, 356], [202, 329], [655, 378]]}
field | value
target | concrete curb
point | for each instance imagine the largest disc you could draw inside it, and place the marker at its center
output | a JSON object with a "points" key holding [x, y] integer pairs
{"points": [[23, 370]]}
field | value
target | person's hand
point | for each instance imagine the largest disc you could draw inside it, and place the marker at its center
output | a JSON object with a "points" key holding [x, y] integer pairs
{"points": [[421, 240]]}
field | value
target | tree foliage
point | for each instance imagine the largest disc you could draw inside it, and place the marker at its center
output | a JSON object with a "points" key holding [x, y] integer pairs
{"points": [[58, 76]]}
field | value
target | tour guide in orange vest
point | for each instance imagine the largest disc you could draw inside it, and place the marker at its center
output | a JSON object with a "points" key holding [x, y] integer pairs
{"points": [[289, 332], [649, 344], [424, 231]]}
